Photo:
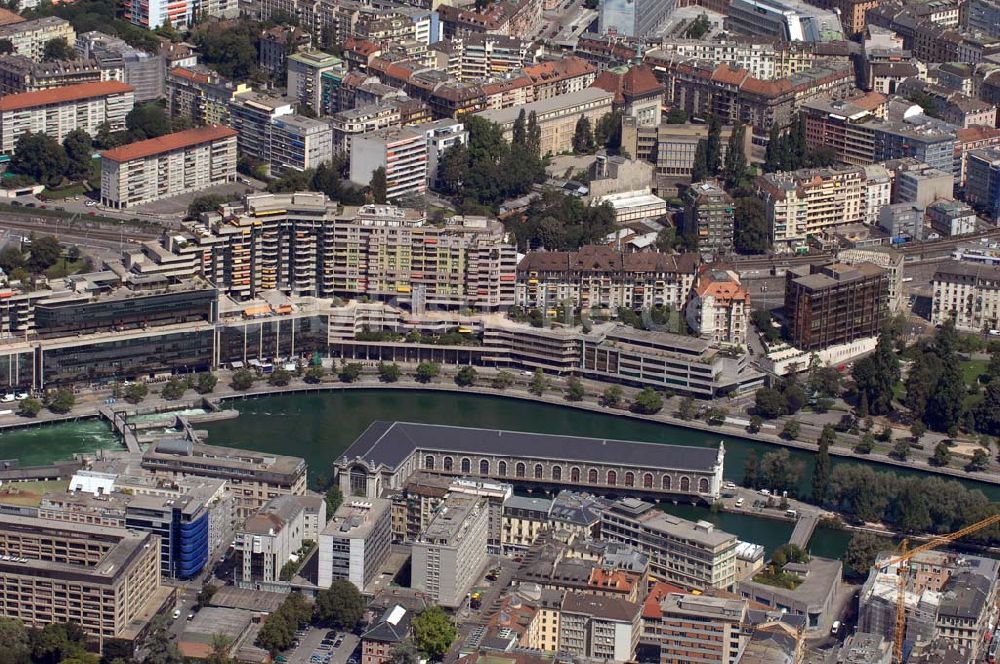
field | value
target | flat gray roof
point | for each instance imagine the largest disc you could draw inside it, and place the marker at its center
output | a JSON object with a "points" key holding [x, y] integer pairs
{"points": [[390, 443]]}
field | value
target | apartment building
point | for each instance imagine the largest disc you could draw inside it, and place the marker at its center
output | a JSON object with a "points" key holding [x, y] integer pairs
{"points": [[152, 14], [401, 152], [254, 478], [763, 59], [106, 580], [603, 277], [950, 218], [252, 115], [170, 165], [968, 294], [556, 117], [274, 45], [299, 143], [969, 139], [383, 639], [834, 304], [200, 95], [450, 554], [267, 541], [19, 73], [365, 119], [708, 217], [524, 519], [305, 71], [30, 37], [121, 62], [811, 201], [598, 627], [694, 555], [466, 262], [483, 56], [982, 182], [698, 629], [719, 309], [59, 111], [355, 542], [440, 135]]}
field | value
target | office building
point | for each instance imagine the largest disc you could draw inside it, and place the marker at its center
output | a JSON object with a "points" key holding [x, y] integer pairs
{"points": [[106, 580], [299, 143], [556, 117], [692, 554], [400, 152], [450, 554], [699, 629], [671, 148], [121, 62], [268, 541], [59, 111], [19, 73], [305, 70], [967, 294], [170, 165], [813, 597], [889, 260], [834, 304], [633, 19], [920, 184], [29, 38], [904, 222], [789, 20], [252, 115], [355, 542], [708, 217], [719, 308], [255, 478], [982, 182], [200, 95], [601, 628], [950, 218]]}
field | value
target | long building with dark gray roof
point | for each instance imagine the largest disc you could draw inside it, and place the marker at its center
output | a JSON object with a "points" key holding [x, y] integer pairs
{"points": [[388, 453]]}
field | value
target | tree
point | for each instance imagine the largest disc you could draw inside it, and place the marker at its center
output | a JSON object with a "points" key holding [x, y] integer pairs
{"points": [[751, 477], [945, 405], [39, 156], [980, 461], [698, 27], [735, 167], [699, 170], [136, 392], [62, 400], [29, 407], [917, 430], [608, 132], [769, 403], [206, 594], [148, 120], [6, 47], [243, 380], [280, 377], [612, 397], [822, 467], [389, 372], [350, 372], [231, 51], [466, 376], [716, 416], [426, 372], [206, 203], [334, 499], [276, 634], [378, 185], [79, 148], [341, 606], [583, 137], [756, 422], [405, 653], [942, 455], [647, 402], [713, 146], [863, 550], [574, 389], [876, 376], [58, 49], [866, 444], [15, 639], [675, 116], [160, 648], [502, 380], [900, 450], [538, 383], [519, 131], [533, 139], [779, 472], [313, 375], [750, 226], [12, 259], [434, 632], [174, 389], [790, 430], [45, 252], [206, 383], [687, 409]]}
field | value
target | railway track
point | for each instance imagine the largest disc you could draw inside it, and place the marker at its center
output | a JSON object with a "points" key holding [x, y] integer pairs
{"points": [[76, 228]]}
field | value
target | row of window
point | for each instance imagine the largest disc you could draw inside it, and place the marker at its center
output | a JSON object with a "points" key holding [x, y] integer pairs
{"points": [[520, 470]]}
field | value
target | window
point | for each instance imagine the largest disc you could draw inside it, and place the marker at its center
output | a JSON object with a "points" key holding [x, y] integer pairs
{"points": [[502, 469], [519, 469], [448, 464], [466, 466], [647, 481], [557, 473], [484, 467], [703, 485], [629, 479], [666, 483], [612, 478], [429, 462], [574, 475], [538, 471], [685, 483], [592, 476]]}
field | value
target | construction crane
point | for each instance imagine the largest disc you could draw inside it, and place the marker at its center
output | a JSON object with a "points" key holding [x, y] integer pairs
{"points": [[902, 559]]}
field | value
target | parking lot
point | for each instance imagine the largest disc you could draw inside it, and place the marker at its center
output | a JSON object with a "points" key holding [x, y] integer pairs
{"points": [[319, 645]]}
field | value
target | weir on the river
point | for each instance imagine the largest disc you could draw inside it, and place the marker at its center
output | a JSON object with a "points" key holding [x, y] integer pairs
{"points": [[124, 429]]}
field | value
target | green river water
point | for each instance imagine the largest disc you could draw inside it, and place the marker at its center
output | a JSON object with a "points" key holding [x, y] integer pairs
{"points": [[319, 426]]}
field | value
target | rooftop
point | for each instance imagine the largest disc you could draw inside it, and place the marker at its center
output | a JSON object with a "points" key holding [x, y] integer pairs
{"points": [[354, 519], [62, 95], [598, 606]]}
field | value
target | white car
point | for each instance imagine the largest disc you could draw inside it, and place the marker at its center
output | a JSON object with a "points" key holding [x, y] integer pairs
{"points": [[21, 396], [91, 203], [765, 492], [7, 398]]}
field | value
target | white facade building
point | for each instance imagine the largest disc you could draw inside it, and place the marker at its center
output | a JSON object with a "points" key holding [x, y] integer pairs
{"points": [[450, 554], [402, 152], [355, 542]]}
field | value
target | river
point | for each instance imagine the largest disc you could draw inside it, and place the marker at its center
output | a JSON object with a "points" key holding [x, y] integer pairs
{"points": [[319, 426]]}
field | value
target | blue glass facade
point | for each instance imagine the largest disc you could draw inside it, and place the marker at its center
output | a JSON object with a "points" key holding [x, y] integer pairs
{"points": [[191, 549], [183, 535]]}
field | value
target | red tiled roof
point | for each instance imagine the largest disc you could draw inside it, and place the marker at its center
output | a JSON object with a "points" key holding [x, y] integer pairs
{"points": [[726, 74], [168, 143], [636, 82], [568, 67], [191, 75], [8, 17], [976, 133], [651, 607], [61, 95]]}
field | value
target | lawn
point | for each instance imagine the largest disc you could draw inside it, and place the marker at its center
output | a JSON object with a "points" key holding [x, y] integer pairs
{"points": [[64, 192], [29, 494], [972, 370]]}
